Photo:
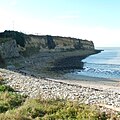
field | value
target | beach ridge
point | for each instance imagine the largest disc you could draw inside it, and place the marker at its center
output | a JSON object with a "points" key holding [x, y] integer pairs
{"points": [[63, 89]]}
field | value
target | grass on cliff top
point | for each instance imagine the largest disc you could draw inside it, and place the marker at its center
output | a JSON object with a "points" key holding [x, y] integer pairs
{"points": [[14, 106], [3, 40]]}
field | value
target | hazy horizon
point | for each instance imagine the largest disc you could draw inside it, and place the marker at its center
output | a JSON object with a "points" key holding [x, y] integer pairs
{"points": [[89, 19]]}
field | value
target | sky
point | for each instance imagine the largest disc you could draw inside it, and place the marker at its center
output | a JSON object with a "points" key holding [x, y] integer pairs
{"points": [[96, 20]]}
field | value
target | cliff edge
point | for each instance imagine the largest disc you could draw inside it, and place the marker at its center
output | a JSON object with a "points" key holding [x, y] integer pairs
{"points": [[13, 43]]}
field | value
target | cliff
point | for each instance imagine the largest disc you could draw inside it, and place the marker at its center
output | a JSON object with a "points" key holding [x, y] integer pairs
{"points": [[8, 48], [58, 43], [12, 43], [39, 54]]}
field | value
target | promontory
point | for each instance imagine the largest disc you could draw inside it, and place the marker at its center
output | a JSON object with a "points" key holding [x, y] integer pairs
{"points": [[34, 54]]}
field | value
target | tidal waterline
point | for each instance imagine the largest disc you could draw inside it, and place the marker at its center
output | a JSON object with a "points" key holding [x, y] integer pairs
{"points": [[102, 65]]}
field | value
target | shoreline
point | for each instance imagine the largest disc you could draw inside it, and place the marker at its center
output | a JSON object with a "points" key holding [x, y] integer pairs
{"points": [[73, 61], [92, 82], [49, 63], [64, 89], [35, 80]]}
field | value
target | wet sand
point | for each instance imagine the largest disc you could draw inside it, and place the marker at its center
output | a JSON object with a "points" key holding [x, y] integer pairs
{"points": [[91, 82]]}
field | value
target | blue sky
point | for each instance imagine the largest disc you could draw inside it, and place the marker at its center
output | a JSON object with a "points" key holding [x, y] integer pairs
{"points": [[96, 20]]}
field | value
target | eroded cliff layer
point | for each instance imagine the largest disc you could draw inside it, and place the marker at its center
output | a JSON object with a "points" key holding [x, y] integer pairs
{"points": [[58, 43], [12, 43]]}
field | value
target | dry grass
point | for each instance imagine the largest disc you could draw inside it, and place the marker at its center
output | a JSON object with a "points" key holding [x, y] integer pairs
{"points": [[16, 107], [37, 109]]}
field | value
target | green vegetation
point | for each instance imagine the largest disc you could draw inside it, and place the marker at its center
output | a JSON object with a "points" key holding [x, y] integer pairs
{"points": [[13, 106], [8, 98], [4, 88], [3, 40], [18, 36]]}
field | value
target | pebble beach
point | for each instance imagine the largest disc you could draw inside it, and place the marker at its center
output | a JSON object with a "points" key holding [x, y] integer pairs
{"points": [[33, 87]]}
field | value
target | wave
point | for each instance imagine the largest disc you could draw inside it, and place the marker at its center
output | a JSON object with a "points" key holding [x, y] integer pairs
{"points": [[99, 70], [105, 64]]}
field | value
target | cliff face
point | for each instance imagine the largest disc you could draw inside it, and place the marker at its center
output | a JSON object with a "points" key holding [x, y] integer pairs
{"points": [[73, 43], [10, 41], [8, 48], [58, 43]]}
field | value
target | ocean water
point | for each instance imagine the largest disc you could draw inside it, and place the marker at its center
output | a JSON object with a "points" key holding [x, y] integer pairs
{"points": [[102, 65]]}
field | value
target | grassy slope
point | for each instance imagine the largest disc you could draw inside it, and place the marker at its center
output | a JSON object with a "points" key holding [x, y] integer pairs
{"points": [[13, 106]]}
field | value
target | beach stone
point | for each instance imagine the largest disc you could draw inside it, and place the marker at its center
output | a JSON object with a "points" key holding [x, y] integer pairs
{"points": [[34, 87], [11, 67]]}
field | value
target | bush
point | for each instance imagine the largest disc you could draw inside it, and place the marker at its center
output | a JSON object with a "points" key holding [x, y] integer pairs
{"points": [[18, 36], [9, 100], [4, 88], [13, 106], [38, 109]]}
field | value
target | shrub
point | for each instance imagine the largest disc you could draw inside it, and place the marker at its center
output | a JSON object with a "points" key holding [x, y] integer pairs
{"points": [[39, 109], [4, 88], [18, 36], [9, 100], [13, 106]]}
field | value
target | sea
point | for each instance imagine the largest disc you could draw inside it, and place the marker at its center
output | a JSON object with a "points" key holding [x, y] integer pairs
{"points": [[105, 64]]}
